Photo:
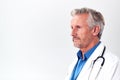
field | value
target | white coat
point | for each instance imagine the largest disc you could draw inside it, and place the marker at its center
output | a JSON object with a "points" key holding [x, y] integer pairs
{"points": [[109, 71]]}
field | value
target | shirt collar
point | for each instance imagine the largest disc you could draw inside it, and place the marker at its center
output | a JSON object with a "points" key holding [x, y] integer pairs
{"points": [[88, 53]]}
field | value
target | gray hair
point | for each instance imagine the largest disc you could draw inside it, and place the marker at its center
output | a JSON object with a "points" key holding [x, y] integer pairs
{"points": [[95, 18]]}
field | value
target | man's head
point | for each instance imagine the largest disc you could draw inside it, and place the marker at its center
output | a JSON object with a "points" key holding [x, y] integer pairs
{"points": [[87, 26]]}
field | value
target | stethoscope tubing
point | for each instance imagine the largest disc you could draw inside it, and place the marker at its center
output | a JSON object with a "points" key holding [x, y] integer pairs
{"points": [[103, 61]]}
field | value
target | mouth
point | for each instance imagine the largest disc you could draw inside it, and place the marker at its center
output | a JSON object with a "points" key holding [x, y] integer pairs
{"points": [[75, 39]]}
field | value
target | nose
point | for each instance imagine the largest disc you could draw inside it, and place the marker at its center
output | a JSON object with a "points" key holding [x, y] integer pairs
{"points": [[73, 32]]}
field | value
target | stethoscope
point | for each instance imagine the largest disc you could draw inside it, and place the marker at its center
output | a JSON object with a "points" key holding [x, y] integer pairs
{"points": [[102, 63]]}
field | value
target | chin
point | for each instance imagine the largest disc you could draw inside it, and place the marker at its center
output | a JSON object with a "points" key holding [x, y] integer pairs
{"points": [[77, 45]]}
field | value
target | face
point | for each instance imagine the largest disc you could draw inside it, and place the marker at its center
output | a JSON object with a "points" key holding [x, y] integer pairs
{"points": [[81, 33]]}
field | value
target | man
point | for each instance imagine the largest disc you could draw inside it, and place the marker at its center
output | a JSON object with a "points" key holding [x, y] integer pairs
{"points": [[94, 61]]}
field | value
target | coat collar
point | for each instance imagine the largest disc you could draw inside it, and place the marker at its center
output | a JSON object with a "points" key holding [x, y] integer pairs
{"points": [[87, 66]]}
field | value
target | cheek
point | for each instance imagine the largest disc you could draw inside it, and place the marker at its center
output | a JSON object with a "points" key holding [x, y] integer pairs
{"points": [[85, 35], [89, 36], [82, 33]]}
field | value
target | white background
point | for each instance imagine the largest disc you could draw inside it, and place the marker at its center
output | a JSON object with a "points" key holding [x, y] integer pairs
{"points": [[35, 41]]}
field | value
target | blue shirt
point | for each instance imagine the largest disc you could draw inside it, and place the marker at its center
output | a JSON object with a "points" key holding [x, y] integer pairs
{"points": [[81, 62]]}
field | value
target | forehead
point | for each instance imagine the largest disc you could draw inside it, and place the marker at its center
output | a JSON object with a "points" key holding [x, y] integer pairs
{"points": [[79, 18]]}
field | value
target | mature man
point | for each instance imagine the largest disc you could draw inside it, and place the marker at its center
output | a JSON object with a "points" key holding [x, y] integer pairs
{"points": [[94, 61]]}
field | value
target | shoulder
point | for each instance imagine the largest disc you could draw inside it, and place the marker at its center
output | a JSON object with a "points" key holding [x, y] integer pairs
{"points": [[111, 57], [112, 63]]}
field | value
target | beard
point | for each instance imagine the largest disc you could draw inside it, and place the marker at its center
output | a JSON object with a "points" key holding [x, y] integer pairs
{"points": [[77, 42]]}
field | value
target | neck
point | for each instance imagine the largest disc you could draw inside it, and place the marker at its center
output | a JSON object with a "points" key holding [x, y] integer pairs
{"points": [[89, 46]]}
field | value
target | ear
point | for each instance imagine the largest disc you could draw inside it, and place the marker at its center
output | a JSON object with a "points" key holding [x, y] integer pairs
{"points": [[96, 30]]}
